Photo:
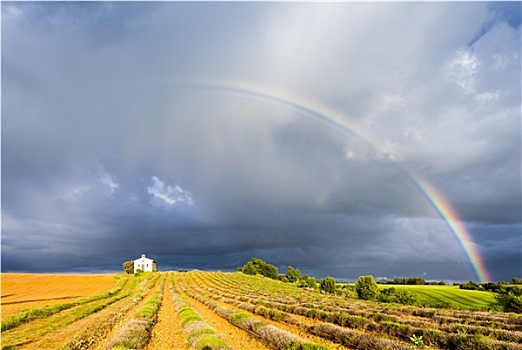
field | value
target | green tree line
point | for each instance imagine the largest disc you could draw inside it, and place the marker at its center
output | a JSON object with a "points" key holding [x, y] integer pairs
{"points": [[509, 297]]}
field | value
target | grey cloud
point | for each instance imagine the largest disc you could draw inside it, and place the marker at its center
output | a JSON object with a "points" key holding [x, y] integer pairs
{"points": [[105, 145]]}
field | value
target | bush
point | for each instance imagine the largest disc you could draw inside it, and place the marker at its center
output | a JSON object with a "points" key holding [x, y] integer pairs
{"points": [[346, 291], [462, 340], [350, 321], [410, 281], [295, 345], [210, 342], [128, 266], [307, 282], [327, 285], [403, 297], [283, 278], [516, 280], [471, 285], [510, 302], [293, 274], [366, 288]]}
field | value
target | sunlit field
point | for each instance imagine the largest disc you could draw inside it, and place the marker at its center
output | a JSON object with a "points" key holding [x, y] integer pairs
{"points": [[30, 291], [459, 298], [216, 310]]}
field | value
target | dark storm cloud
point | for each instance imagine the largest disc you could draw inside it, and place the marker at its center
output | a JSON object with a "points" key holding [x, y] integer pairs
{"points": [[106, 154]]}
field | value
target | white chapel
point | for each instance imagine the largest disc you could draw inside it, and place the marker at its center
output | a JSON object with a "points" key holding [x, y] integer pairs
{"points": [[145, 264]]}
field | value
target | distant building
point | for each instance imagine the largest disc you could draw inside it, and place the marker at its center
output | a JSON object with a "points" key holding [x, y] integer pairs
{"points": [[145, 264]]}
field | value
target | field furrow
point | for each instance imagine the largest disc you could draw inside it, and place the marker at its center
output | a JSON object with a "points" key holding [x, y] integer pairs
{"points": [[193, 289], [60, 338], [167, 333], [139, 301], [98, 327], [308, 326], [355, 318], [236, 338]]}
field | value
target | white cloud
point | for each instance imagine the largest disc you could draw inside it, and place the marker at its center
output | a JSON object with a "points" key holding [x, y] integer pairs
{"points": [[462, 70], [487, 96], [171, 195], [414, 133], [389, 150], [107, 180]]}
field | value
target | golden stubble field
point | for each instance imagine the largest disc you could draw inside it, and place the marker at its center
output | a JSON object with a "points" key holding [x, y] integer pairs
{"points": [[23, 290]]}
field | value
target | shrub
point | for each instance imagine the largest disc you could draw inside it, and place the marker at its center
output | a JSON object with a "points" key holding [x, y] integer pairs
{"points": [[397, 329], [197, 329], [327, 285], [366, 288], [464, 341], [293, 345], [510, 302], [382, 317], [316, 313], [351, 321], [471, 285], [187, 315], [293, 274], [410, 281], [282, 277], [307, 282], [238, 317], [391, 295], [210, 342], [301, 310], [354, 339], [417, 341], [133, 335], [516, 291], [128, 267], [431, 335], [346, 290]]}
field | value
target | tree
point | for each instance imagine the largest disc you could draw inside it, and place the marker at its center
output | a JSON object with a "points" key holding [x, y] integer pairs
{"points": [[366, 288], [282, 277], [293, 274], [257, 266], [128, 266], [249, 269], [307, 282], [471, 285], [327, 285], [510, 302]]}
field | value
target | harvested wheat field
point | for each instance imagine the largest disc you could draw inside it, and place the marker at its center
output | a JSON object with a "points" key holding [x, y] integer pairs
{"points": [[215, 310], [22, 291]]}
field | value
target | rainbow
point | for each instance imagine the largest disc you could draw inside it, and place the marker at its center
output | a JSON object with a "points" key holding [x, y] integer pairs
{"points": [[339, 120], [451, 217]]}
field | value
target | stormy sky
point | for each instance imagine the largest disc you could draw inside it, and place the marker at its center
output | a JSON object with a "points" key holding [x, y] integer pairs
{"points": [[201, 134]]}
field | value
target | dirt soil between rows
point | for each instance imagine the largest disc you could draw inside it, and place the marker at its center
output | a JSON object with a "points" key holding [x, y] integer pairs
{"points": [[167, 332], [236, 338]]}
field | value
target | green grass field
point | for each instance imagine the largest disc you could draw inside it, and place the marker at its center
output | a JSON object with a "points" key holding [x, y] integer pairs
{"points": [[460, 298]]}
